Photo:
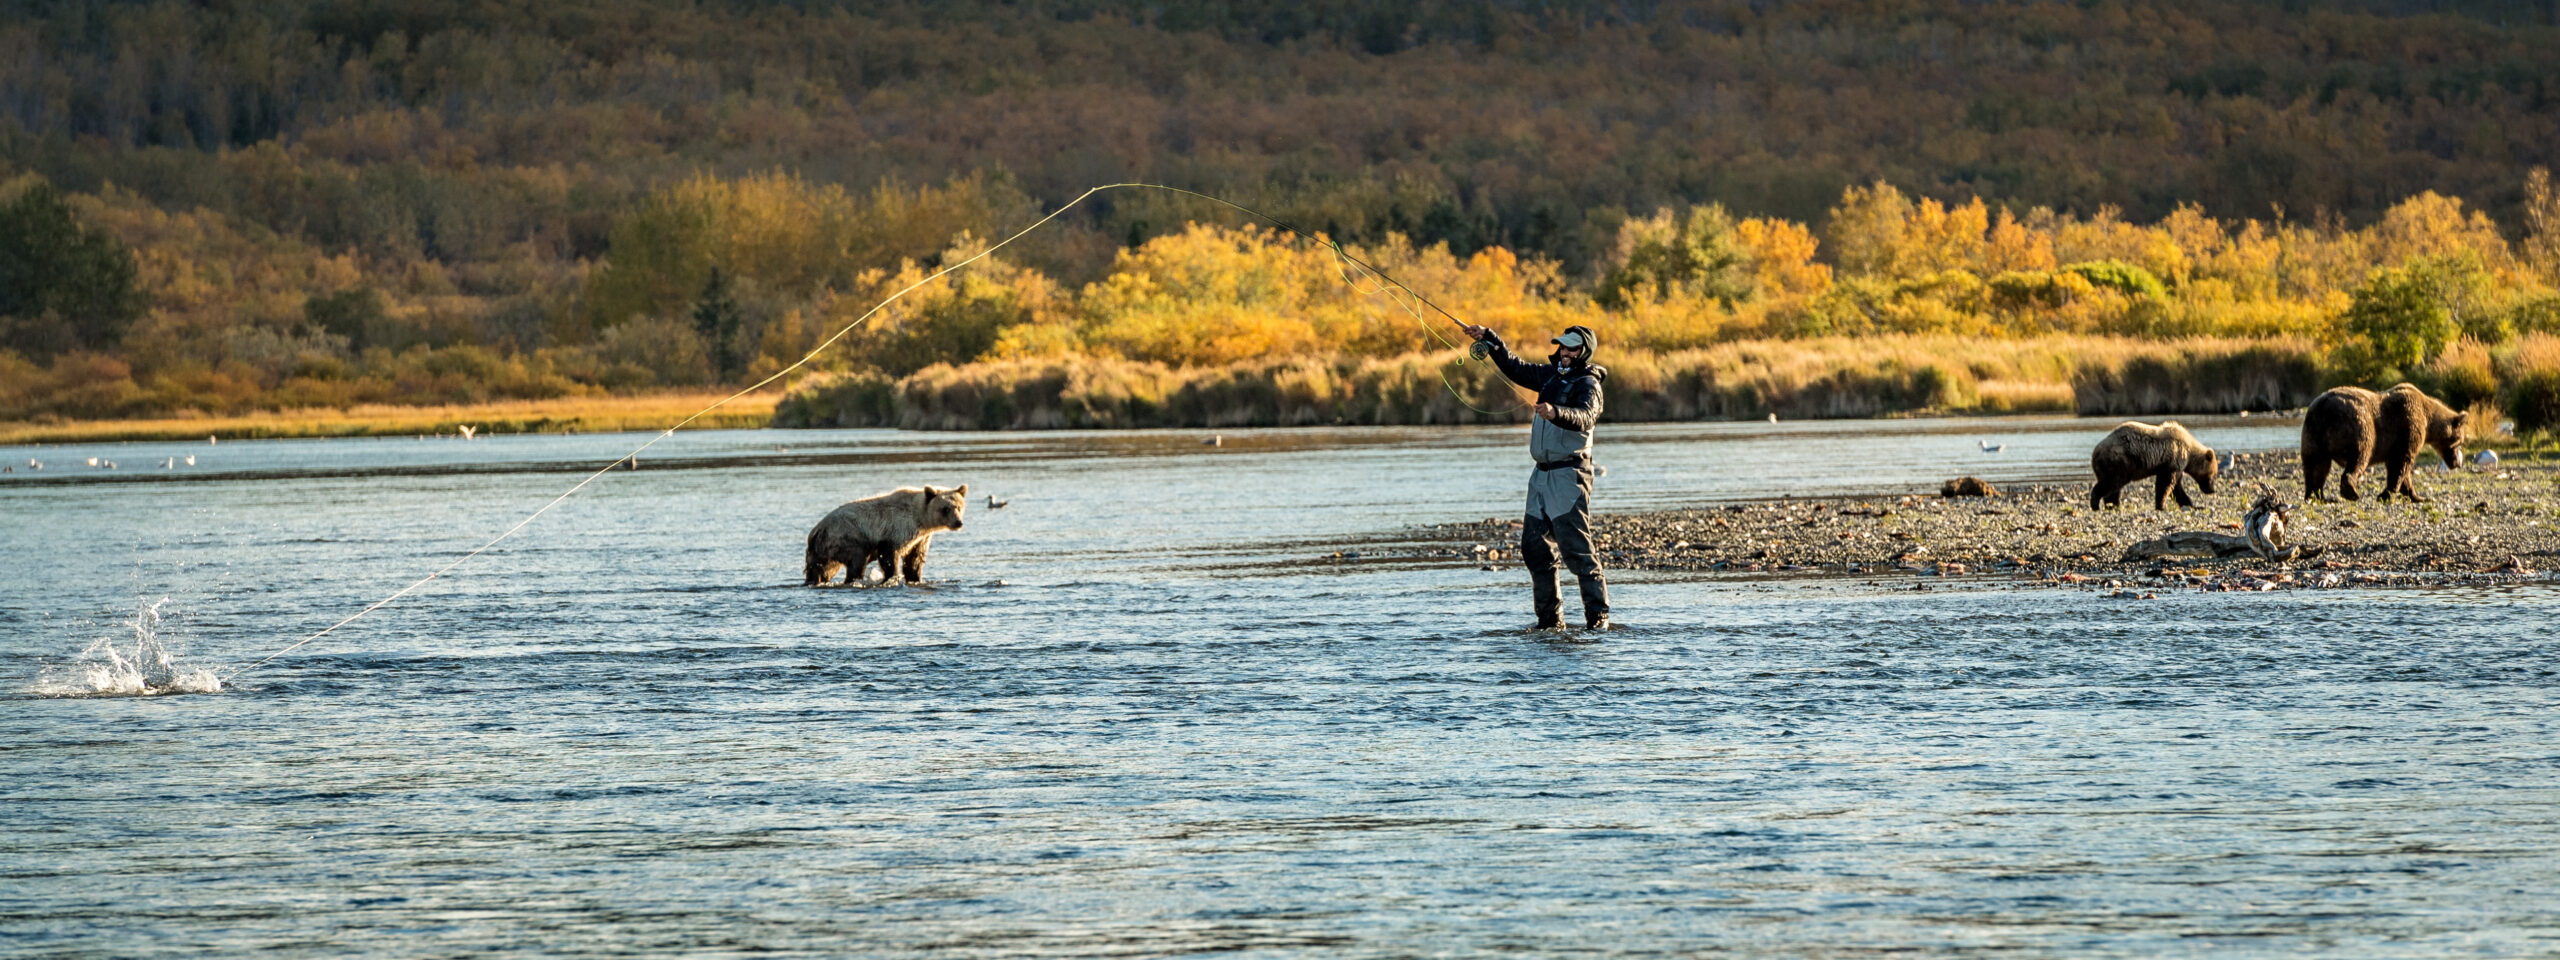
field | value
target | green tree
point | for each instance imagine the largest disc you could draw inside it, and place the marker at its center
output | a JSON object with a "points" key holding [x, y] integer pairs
{"points": [[63, 287], [2468, 293], [2401, 317], [716, 316], [1696, 255], [355, 313]]}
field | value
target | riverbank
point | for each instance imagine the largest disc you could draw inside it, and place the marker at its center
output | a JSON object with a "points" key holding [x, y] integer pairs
{"points": [[2498, 525], [564, 415]]}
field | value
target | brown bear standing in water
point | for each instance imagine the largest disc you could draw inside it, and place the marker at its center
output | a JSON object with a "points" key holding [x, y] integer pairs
{"points": [[892, 528], [2352, 427], [2163, 453]]}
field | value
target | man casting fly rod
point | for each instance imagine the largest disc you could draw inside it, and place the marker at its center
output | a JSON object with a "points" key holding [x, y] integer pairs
{"points": [[1568, 387]]}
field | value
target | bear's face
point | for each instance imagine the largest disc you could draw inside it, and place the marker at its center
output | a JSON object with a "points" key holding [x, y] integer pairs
{"points": [[2203, 467], [942, 508], [2447, 435]]}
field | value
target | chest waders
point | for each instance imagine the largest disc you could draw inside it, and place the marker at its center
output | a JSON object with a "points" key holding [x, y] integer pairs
{"points": [[1558, 516]]}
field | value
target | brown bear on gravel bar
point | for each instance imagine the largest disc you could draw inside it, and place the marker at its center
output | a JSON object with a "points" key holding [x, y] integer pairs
{"points": [[2352, 427], [1968, 487], [2163, 453], [892, 529]]}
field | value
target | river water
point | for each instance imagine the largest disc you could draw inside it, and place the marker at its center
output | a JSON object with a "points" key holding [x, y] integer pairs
{"points": [[1135, 717]]}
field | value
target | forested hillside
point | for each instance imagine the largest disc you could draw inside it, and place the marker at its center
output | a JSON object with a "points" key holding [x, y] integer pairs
{"points": [[255, 205]]}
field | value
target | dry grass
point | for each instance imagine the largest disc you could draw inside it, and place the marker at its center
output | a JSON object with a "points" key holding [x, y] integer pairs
{"points": [[1823, 377], [1827, 377], [2530, 383], [564, 415]]}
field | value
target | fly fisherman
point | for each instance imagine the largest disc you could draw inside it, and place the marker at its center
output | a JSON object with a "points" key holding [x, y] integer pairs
{"points": [[1568, 387]]}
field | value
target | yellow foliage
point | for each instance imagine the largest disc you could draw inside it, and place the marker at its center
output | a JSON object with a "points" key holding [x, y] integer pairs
{"points": [[2107, 236], [993, 308], [1866, 229], [2013, 246], [777, 234], [1782, 258], [2431, 225], [1215, 295], [1937, 239]]}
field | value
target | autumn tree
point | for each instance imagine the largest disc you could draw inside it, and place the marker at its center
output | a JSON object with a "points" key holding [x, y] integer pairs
{"points": [[1866, 229], [2542, 225], [784, 237], [1782, 258]]}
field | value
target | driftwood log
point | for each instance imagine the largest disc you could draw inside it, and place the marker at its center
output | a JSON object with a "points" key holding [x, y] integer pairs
{"points": [[2188, 543], [2262, 534]]}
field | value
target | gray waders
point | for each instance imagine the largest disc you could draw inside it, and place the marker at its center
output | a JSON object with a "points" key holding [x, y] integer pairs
{"points": [[1559, 515]]}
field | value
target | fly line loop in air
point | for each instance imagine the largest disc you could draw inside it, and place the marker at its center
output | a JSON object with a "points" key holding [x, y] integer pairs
{"points": [[1362, 276]]}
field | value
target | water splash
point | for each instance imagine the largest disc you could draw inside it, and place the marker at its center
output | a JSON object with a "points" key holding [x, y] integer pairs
{"points": [[143, 666]]}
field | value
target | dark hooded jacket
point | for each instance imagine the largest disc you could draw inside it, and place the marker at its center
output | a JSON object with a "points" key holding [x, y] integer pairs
{"points": [[1574, 390]]}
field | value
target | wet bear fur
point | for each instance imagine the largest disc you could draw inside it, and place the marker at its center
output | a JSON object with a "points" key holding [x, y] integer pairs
{"points": [[2351, 428], [891, 529], [2164, 453]]}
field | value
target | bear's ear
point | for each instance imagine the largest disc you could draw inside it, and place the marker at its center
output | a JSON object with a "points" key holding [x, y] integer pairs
{"points": [[963, 491], [930, 493]]}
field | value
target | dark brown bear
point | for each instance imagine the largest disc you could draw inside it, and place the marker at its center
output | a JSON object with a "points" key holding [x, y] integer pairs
{"points": [[2352, 427], [2164, 453]]}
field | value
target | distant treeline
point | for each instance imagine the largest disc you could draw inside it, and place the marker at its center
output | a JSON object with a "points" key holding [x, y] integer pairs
{"points": [[459, 131], [259, 205]]}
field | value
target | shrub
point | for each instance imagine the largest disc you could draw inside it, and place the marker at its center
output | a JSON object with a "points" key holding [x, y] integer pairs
{"points": [[2119, 276], [2401, 318], [2531, 373], [653, 352], [2537, 314], [2461, 376]]}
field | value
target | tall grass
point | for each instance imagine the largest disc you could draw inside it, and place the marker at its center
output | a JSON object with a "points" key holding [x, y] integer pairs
{"points": [[1830, 377], [2200, 375], [2530, 383]]}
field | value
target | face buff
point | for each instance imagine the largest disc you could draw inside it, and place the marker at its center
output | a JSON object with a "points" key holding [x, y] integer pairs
{"points": [[1569, 340]]}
